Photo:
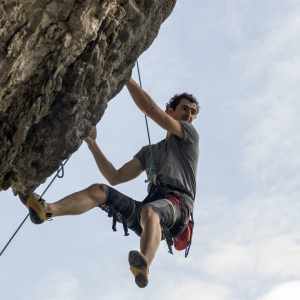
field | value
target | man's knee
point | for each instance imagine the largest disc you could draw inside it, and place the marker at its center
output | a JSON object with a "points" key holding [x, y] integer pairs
{"points": [[97, 192], [147, 213]]}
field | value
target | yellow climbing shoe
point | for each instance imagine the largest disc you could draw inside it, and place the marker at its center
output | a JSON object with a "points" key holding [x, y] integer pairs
{"points": [[36, 205], [139, 268]]}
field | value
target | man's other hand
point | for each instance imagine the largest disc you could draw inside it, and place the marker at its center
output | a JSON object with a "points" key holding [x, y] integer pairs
{"points": [[92, 136]]}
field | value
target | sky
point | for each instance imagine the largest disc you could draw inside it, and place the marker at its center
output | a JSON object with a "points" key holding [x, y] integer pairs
{"points": [[241, 59]]}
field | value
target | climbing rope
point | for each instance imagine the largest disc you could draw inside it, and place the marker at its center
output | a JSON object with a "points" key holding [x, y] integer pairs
{"points": [[61, 169], [153, 169]]}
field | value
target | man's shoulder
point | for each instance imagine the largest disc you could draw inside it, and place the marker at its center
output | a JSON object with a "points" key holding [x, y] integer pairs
{"points": [[186, 124], [189, 130]]}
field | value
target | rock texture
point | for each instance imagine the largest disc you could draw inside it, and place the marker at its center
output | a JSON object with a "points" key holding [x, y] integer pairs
{"points": [[61, 61]]}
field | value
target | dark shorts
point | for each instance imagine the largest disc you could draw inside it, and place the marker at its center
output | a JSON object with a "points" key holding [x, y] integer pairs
{"points": [[172, 216]]}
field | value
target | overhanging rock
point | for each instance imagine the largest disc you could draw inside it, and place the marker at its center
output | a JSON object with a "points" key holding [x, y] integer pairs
{"points": [[61, 61]]}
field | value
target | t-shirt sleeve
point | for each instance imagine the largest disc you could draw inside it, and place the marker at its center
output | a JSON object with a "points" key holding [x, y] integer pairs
{"points": [[190, 133], [141, 157]]}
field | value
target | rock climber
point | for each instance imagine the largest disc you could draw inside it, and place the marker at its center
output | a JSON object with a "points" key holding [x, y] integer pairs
{"points": [[171, 191]]}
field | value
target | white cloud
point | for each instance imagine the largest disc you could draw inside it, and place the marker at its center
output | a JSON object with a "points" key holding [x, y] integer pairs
{"points": [[58, 284], [194, 289], [278, 257], [288, 290], [249, 241]]}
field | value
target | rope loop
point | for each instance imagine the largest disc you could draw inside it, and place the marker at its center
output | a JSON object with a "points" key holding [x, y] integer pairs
{"points": [[62, 172]]}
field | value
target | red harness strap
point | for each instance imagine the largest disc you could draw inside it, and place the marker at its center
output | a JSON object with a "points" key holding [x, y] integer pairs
{"points": [[175, 198]]}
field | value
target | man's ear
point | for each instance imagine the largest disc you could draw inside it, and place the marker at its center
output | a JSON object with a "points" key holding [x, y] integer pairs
{"points": [[170, 111]]}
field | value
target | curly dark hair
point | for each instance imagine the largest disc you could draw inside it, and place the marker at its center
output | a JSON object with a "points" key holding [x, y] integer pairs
{"points": [[175, 100]]}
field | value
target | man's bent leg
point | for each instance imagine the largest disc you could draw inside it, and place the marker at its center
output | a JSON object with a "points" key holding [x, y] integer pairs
{"points": [[150, 240], [78, 203]]}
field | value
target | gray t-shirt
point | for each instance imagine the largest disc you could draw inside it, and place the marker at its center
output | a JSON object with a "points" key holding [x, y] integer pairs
{"points": [[176, 161]]}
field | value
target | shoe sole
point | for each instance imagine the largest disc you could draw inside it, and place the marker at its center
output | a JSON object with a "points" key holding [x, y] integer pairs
{"points": [[36, 210], [139, 268]]}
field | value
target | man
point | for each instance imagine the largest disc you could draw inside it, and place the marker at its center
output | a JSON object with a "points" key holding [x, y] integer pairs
{"points": [[166, 209]]}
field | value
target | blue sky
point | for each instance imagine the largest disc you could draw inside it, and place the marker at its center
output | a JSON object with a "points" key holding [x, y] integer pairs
{"points": [[242, 61]]}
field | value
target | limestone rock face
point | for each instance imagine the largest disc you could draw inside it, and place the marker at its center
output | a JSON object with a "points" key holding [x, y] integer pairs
{"points": [[61, 61]]}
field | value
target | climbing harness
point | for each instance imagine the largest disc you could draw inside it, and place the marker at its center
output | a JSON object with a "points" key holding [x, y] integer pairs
{"points": [[61, 169]]}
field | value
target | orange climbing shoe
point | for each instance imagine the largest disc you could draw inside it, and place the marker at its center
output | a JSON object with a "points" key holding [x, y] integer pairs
{"points": [[36, 206], [139, 268]]}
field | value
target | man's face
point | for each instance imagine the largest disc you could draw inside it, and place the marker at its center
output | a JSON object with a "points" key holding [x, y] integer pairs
{"points": [[185, 111]]}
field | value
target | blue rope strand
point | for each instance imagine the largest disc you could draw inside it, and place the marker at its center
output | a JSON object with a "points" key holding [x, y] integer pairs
{"points": [[153, 169], [57, 175]]}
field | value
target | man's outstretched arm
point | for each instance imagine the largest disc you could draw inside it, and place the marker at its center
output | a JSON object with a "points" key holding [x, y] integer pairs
{"points": [[147, 105], [129, 171]]}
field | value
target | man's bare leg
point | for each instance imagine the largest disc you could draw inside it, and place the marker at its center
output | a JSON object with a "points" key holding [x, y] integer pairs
{"points": [[151, 234], [78, 203]]}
